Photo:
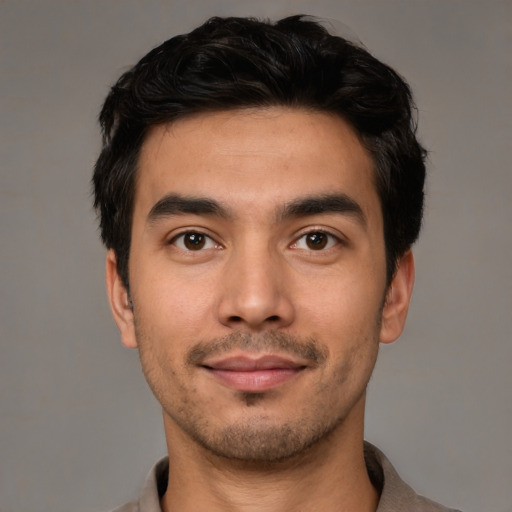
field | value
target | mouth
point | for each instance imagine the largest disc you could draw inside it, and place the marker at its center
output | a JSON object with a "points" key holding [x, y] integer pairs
{"points": [[253, 374]]}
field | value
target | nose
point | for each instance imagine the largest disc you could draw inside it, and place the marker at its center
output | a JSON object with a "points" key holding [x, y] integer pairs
{"points": [[255, 292]]}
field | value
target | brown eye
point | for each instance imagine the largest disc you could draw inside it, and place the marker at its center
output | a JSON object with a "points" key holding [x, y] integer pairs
{"points": [[316, 241], [194, 241]]}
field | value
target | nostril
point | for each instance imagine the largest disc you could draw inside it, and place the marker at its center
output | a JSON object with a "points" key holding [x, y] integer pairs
{"points": [[238, 319]]}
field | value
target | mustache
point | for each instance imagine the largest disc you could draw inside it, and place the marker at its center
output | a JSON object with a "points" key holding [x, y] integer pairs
{"points": [[308, 349]]}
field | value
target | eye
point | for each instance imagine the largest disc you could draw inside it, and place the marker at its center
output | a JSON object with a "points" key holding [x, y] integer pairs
{"points": [[316, 241], [194, 241]]}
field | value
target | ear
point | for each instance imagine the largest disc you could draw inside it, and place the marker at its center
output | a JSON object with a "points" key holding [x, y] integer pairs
{"points": [[119, 302], [398, 298]]}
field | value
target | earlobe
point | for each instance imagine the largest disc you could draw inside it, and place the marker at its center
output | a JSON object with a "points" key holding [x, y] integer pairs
{"points": [[120, 303], [398, 298]]}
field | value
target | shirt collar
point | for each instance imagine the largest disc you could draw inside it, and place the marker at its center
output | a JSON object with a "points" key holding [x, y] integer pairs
{"points": [[395, 494]]}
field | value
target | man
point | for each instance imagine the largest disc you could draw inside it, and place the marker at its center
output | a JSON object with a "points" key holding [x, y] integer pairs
{"points": [[259, 190]]}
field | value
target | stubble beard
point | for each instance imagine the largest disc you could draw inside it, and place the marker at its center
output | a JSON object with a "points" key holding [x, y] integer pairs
{"points": [[255, 439]]}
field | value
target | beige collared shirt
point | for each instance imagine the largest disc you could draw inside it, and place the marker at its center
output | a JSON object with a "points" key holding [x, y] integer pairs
{"points": [[395, 494]]}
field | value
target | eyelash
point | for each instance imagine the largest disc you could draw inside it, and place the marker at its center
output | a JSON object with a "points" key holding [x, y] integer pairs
{"points": [[330, 240], [204, 239]]}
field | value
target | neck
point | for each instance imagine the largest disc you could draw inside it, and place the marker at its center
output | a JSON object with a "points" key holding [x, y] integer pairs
{"points": [[330, 476]]}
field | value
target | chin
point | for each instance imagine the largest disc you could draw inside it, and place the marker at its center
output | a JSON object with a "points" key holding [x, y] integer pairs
{"points": [[259, 440]]}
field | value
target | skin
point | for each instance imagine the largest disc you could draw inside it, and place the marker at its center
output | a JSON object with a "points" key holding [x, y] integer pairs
{"points": [[256, 285]]}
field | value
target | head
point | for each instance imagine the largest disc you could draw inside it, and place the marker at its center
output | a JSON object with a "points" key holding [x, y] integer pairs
{"points": [[259, 188], [238, 63]]}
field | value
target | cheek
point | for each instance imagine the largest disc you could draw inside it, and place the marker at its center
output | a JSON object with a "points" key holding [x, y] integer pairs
{"points": [[172, 311], [347, 320], [344, 303]]}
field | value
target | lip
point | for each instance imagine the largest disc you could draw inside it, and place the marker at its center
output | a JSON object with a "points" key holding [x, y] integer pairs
{"points": [[253, 374]]}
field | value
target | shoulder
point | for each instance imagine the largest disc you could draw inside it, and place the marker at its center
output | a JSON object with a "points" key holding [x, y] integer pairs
{"points": [[439, 508], [133, 506], [396, 495], [154, 488], [422, 504]]}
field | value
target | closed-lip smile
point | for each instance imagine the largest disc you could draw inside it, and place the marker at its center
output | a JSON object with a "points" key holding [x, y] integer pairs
{"points": [[253, 373]]}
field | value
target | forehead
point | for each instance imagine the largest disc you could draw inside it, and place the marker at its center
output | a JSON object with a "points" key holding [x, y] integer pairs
{"points": [[253, 157]]}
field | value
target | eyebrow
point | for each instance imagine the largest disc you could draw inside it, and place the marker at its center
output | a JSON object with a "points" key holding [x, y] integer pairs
{"points": [[325, 203], [176, 204]]}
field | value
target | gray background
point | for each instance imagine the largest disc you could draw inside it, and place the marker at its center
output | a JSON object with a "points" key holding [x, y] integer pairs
{"points": [[78, 428]]}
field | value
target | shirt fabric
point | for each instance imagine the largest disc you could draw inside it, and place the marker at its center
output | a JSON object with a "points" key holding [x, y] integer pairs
{"points": [[395, 494]]}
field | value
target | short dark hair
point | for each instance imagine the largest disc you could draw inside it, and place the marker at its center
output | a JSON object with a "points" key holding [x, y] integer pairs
{"points": [[236, 63]]}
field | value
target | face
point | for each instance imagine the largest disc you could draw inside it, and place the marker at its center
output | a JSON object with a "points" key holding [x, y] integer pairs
{"points": [[258, 280]]}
